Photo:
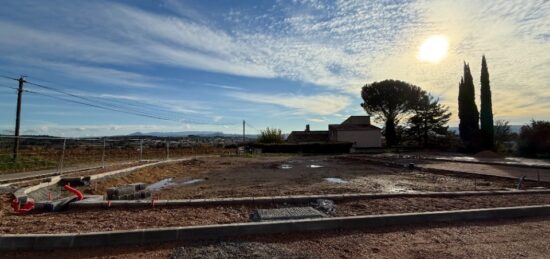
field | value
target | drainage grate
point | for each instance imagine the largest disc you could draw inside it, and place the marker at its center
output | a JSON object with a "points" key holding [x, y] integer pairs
{"points": [[286, 214]]}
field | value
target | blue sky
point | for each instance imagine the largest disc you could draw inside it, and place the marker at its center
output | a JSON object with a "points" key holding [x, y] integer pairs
{"points": [[207, 65]]}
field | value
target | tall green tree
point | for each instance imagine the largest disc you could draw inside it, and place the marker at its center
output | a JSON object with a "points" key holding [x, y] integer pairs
{"points": [[467, 111], [486, 109], [430, 120], [389, 100], [534, 139]]}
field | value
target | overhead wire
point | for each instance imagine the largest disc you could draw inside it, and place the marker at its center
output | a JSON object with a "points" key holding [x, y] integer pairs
{"points": [[121, 107], [93, 105]]}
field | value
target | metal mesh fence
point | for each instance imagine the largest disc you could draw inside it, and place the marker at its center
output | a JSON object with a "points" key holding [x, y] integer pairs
{"points": [[67, 154]]}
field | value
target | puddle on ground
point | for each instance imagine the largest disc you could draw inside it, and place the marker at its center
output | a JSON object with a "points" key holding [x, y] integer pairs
{"points": [[285, 166], [169, 182], [335, 180], [314, 166], [458, 158]]}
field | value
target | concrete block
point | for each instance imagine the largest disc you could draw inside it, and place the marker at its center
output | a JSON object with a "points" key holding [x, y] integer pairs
{"points": [[74, 181], [138, 186], [124, 190]]}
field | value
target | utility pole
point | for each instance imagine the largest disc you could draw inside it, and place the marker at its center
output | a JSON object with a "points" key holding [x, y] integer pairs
{"points": [[244, 138], [18, 118]]}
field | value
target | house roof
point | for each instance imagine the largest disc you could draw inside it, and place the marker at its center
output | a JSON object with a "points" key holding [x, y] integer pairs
{"points": [[354, 123], [357, 120], [353, 127], [308, 136]]}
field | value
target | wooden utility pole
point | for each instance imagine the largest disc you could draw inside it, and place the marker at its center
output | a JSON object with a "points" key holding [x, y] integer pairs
{"points": [[244, 132], [18, 118]]}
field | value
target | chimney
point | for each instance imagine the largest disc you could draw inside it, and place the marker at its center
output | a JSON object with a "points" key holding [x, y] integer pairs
{"points": [[307, 127]]}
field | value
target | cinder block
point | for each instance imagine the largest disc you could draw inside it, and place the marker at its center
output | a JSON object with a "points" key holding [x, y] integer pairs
{"points": [[124, 190], [143, 194], [74, 181], [138, 186], [111, 193]]}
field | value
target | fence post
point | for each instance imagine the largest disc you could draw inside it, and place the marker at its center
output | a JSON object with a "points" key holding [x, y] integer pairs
{"points": [[60, 169], [140, 150], [167, 149], [103, 155]]}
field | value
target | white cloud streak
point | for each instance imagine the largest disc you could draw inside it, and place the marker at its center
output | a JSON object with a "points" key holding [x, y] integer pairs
{"points": [[322, 104]]}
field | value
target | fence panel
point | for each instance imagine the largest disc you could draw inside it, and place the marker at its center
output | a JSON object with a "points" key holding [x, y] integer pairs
{"points": [[69, 154]]}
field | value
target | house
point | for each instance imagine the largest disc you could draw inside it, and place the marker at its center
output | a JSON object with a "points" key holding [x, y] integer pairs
{"points": [[355, 129], [308, 136]]}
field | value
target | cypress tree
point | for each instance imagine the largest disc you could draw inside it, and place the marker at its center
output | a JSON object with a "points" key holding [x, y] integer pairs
{"points": [[486, 109], [467, 111]]}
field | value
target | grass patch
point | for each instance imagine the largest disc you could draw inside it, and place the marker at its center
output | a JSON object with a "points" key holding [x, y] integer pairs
{"points": [[8, 165]]}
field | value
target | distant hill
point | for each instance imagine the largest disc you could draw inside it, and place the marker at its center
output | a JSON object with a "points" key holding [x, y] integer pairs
{"points": [[179, 134], [188, 133], [513, 129]]}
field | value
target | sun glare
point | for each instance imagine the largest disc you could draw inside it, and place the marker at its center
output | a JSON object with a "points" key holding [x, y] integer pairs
{"points": [[434, 49]]}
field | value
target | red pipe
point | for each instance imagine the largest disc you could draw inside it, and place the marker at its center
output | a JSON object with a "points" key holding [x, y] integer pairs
{"points": [[75, 191], [22, 209]]}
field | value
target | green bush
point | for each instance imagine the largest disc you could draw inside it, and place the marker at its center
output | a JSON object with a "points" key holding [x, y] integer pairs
{"points": [[270, 135], [318, 148]]}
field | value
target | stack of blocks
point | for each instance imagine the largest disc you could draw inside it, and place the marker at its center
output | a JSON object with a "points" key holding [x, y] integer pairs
{"points": [[135, 191]]}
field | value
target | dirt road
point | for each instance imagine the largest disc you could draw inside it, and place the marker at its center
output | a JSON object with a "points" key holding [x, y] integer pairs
{"points": [[496, 239]]}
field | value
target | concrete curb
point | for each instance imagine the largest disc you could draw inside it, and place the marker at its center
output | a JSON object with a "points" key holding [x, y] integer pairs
{"points": [[440, 171], [22, 193], [285, 199], [157, 235], [535, 166]]}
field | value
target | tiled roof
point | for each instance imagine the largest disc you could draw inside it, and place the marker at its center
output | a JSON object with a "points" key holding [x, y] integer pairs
{"points": [[357, 120], [308, 136]]}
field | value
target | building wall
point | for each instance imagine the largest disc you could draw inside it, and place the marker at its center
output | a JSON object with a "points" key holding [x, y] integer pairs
{"points": [[361, 138]]}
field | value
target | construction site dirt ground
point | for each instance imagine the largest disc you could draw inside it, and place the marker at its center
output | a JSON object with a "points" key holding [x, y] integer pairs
{"points": [[108, 219], [288, 175], [525, 238], [307, 175]]}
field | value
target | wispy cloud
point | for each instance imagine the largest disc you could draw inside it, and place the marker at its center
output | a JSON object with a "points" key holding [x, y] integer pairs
{"points": [[317, 120], [222, 86], [322, 104], [337, 46]]}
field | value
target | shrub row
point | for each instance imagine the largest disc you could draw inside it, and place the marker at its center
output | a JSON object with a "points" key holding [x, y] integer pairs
{"points": [[317, 148]]}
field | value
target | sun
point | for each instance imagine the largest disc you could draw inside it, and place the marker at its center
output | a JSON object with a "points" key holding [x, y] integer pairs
{"points": [[434, 49]]}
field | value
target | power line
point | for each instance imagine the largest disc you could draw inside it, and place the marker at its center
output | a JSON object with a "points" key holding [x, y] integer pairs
{"points": [[95, 106], [10, 87], [116, 106], [137, 113], [254, 128], [119, 106], [9, 77]]}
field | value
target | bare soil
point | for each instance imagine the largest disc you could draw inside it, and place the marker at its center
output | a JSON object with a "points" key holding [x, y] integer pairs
{"points": [[123, 219], [265, 176], [475, 169], [495, 239]]}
